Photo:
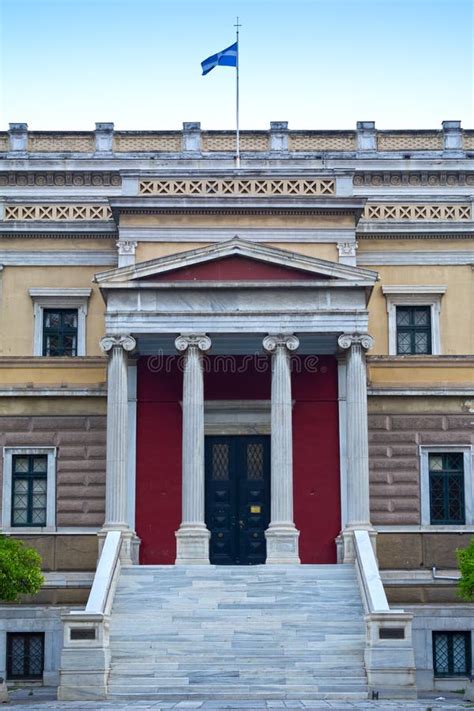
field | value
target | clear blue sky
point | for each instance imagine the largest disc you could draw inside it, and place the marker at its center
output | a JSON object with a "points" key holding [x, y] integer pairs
{"points": [[66, 64]]}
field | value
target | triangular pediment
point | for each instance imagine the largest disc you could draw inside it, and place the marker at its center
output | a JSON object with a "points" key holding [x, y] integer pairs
{"points": [[235, 260]]}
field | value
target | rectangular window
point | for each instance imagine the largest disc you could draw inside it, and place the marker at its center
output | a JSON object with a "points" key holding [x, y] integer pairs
{"points": [[60, 332], [413, 330], [446, 481], [29, 479], [25, 655], [452, 653]]}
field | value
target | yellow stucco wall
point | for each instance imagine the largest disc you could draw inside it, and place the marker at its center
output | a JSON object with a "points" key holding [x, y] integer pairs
{"points": [[236, 221], [457, 313], [154, 250], [16, 307]]}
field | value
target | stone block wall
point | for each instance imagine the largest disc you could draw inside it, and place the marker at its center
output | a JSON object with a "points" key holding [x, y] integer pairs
{"points": [[80, 470], [394, 460]]}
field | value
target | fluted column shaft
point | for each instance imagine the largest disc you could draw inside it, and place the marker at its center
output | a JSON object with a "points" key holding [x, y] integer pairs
{"points": [[117, 430], [282, 536], [193, 535], [358, 497]]}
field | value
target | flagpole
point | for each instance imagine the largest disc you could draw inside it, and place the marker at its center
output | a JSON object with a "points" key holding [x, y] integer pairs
{"points": [[237, 154]]}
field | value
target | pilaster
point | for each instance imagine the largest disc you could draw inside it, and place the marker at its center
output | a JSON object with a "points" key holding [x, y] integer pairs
{"points": [[366, 137], [104, 136], [279, 136], [452, 135], [18, 135], [282, 535], [126, 253], [192, 538], [191, 137]]}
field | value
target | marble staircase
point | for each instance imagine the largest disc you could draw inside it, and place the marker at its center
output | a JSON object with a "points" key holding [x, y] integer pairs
{"points": [[218, 632]]}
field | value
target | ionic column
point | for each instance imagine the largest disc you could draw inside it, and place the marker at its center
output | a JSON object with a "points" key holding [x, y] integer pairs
{"points": [[117, 443], [192, 538], [282, 535], [358, 501]]}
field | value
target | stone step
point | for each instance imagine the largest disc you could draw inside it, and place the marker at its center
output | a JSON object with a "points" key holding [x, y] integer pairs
{"points": [[165, 695], [268, 632]]}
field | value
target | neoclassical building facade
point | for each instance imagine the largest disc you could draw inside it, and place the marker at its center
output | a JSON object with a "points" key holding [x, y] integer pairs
{"points": [[258, 366]]}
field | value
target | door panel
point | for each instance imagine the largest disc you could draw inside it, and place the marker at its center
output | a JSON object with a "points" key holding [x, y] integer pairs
{"points": [[238, 498]]}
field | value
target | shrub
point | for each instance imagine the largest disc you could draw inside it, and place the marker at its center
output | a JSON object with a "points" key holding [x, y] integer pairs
{"points": [[466, 566], [20, 569]]}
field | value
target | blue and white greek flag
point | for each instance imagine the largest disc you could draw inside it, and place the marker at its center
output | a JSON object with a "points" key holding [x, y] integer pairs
{"points": [[226, 58]]}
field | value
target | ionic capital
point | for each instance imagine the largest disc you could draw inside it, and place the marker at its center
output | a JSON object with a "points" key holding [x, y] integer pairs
{"points": [[126, 247], [128, 343], [193, 340], [346, 340], [280, 340]]}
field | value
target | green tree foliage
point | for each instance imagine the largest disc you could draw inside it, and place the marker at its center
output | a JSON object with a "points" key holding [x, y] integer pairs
{"points": [[20, 569], [466, 566]]}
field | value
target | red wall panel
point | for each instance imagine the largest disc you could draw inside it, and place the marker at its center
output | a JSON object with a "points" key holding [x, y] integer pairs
{"points": [[236, 269], [315, 444]]}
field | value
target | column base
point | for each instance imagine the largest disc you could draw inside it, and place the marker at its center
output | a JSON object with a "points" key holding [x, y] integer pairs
{"points": [[345, 542], [282, 545], [192, 545], [129, 552]]}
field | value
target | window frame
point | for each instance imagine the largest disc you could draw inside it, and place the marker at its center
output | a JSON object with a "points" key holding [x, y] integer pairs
{"points": [[414, 295], [29, 477], [468, 464], [8, 454], [75, 299], [412, 329], [9, 640], [468, 643], [61, 332]]}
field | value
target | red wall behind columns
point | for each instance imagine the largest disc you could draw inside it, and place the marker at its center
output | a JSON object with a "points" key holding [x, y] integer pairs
{"points": [[158, 482], [316, 458], [315, 443]]}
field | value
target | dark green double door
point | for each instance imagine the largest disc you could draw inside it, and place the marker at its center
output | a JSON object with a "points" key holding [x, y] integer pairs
{"points": [[238, 498]]}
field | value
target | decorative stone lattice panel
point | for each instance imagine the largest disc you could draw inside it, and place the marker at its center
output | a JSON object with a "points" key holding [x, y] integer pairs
{"points": [[417, 212], [147, 143], [3, 142], [61, 144], [218, 143], [321, 142], [58, 212], [60, 179], [227, 142], [413, 179], [468, 140], [410, 142], [242, 188]]}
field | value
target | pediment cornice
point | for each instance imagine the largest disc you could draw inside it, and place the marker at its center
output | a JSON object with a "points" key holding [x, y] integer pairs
{"points": [[318, 271]]}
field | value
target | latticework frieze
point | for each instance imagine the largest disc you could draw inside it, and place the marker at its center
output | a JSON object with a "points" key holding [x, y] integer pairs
{"points": [[413, 179], [221, 142], [58, 212], [147, 143], [61, 144], [433, 212], [252, 188], [409, 141], [321, 142], [95, 179], [468, 140], [228, 142], [4, 142]]}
